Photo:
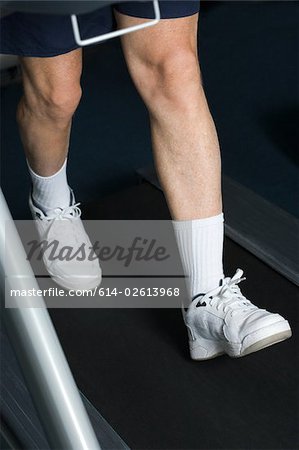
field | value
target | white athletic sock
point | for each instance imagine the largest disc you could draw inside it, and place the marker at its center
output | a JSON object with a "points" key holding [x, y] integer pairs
{"points": [[50, 192], [200, 244]]}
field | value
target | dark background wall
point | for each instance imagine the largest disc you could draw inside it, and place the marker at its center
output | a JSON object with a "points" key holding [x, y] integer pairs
{"points": [[249, 58]]}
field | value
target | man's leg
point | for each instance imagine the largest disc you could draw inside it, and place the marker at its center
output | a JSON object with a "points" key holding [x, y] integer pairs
{"points": [[51, 95], [164, 66]]}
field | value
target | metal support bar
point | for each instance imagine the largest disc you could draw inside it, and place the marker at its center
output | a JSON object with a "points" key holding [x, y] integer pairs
{"points": [[112, 34], [38, 349]]}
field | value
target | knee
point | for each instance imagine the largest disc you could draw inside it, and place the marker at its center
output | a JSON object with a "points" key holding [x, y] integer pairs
{"points": [[61, 102], [168, 81], [56, 102]]}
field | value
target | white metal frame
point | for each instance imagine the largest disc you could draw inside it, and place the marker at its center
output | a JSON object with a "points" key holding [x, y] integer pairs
{"points": [[112, 34], [39, 352]]}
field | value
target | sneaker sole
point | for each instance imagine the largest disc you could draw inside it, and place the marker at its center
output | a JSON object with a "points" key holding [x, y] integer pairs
{"points": [[207, 349], [270, 335], [209, 357], [266, 342]]}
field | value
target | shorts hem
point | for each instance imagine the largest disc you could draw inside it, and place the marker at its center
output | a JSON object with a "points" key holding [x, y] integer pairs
{"points": [[35, 54], [152, 18]]}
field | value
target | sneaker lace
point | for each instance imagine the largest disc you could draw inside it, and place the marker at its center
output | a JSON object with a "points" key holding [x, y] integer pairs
{"points": [[70, 212], [57, 215], [229, 298]]}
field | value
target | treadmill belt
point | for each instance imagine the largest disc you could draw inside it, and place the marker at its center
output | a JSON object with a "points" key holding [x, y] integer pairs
{"points": [[134, 366], [20, 424]]}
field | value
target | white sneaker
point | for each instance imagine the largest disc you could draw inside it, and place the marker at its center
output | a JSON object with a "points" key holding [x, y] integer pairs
{"points": [[65, 227], [224, 321]]}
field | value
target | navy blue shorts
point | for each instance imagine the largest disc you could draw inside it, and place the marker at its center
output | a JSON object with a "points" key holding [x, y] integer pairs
{"points": [[42, 35]]}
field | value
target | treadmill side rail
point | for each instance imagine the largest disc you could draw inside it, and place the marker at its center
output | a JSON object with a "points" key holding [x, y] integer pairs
{"points": [[39, 352]]}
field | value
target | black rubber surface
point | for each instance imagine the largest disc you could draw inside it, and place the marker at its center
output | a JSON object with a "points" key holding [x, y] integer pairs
{"points": [[21, 427], [135, 367]]}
